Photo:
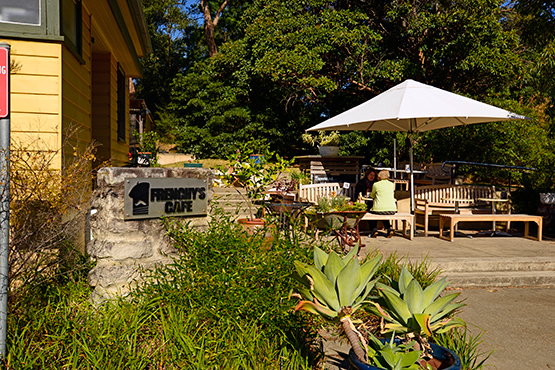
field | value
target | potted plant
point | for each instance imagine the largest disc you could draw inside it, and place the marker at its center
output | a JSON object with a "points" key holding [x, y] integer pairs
{"points": [[283, 190], [331, 213], [336, 288], [244, 171], [327, 142]]}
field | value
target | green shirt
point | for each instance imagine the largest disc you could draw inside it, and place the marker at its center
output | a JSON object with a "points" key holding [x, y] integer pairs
{"points": [[383, 193]]}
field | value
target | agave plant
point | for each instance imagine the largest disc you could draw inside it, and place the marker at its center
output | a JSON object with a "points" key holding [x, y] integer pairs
{"points": [[335, 288], [414, 311], [393, 356]]}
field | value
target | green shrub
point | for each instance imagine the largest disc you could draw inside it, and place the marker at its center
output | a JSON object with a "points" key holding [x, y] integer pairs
{"points": [[222, 304]]}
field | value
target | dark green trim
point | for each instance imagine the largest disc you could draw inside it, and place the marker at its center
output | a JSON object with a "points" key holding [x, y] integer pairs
{"points": [[53, 17], [125, 32], [140, 24], [49, 30], [28, 28], [73, 50], [23, 36]]}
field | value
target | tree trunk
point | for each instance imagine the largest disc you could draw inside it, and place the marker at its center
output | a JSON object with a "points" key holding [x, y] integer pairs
{"points": [[354, 338], [210, 25]]}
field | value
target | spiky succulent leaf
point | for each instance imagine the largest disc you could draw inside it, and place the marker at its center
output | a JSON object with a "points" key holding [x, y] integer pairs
{"points": [[320, 258], [377, 310], [396, 327], [413, 297], [388, 288], [424, 323], [301, 278], [446, 325], [352, 253], [348, 283], [367, 271], [388, 356], [446, 311], [404, 280], [397, 307], [439, 304], [323, 290], [360, 300], [316, 309], [409, 359], [306, 293], [433, 291], [332, 268]]}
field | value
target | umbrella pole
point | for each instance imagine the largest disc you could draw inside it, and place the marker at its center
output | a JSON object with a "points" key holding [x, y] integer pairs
{"points": [[411, 178], [394, 158]]}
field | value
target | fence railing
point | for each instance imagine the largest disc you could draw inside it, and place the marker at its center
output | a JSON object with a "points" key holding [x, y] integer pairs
{"points": [[501, 166]]}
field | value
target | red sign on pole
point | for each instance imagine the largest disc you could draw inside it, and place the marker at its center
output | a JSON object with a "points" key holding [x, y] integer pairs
{"points": [[4, 92]]}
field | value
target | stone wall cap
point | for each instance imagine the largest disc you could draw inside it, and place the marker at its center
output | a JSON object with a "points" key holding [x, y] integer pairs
{"points": [[116, 175]]}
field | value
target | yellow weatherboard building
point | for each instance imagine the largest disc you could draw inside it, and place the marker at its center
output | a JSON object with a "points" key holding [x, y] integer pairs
{"points": [[71, 65]]}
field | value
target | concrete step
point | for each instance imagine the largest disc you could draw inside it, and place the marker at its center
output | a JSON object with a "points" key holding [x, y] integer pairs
{"points": [[229, 199], [497, 271], [485, 264], [500, 279]]}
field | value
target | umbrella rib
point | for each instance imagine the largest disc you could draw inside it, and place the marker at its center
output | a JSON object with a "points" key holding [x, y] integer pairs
{"points": [[418, 127], [392, 123]]}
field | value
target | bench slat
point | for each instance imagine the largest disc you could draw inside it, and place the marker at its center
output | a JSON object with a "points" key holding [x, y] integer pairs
{"points": [[453, 219]]}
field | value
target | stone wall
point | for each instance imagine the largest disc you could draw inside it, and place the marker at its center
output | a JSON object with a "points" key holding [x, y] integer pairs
{"points": [[123, 249]]}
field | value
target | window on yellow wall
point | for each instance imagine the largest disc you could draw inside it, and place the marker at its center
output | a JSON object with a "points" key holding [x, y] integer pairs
{"points": [[122, 113], [72, 24], [21, 12]]}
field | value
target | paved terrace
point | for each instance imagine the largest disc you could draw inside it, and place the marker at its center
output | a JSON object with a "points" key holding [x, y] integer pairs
{"points": [[507, 283]]}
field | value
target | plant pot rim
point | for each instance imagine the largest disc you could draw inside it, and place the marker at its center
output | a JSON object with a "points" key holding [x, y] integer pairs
{"points": [[341, 213], [250, 220], [436, 350]]}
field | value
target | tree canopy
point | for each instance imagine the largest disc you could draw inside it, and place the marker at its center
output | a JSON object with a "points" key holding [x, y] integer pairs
{"points": [[278, 67]]}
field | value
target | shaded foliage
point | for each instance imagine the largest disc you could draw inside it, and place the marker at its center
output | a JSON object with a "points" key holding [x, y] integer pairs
{"points": [[283, 66]]}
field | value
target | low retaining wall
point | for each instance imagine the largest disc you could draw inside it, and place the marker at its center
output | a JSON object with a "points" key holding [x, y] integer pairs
{"points": [[124, 248]]}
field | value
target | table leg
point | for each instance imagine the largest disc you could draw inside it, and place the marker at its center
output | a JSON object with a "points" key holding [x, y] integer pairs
{"points": [[494, 211], [457, 212], [452, 226], [441, 225]]}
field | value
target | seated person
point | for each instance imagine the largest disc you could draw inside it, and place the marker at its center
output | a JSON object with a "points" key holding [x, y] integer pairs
{"points": [[364, 186], [383, 193]]}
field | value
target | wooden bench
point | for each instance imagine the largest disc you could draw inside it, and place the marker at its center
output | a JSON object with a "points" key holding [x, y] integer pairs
{"points": [[312, 192], [405, 217], [453, 219], [436, 174], [431, 201]]}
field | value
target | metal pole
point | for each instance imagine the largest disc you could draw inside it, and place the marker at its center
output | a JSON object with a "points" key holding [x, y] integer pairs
{"points": [[4, 213], [394, 158], [411, 178]]}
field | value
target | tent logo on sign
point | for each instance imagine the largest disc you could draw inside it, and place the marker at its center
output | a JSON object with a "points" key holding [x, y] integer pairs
{"points": [[153, 198]]}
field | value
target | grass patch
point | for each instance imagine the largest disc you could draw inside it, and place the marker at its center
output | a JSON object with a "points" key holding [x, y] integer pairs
{"points": [[223, 304], [206, 163]]}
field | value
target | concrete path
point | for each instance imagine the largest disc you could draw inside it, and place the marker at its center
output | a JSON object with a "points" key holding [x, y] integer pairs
{"points": [[508, 286]]}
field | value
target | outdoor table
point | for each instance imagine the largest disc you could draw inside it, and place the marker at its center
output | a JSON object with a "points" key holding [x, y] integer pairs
{"points": [[457, 211], [286, 213], [347, 235], [494, 211]]}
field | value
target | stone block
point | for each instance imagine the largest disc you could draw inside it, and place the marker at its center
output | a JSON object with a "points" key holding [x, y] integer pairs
{"points": [[124, 250]]}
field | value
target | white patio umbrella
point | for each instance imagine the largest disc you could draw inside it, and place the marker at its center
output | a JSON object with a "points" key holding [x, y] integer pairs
{"points": [[415, 107]]}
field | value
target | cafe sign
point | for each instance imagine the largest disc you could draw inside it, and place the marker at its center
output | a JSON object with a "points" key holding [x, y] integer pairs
{"points": [[158, 197]]}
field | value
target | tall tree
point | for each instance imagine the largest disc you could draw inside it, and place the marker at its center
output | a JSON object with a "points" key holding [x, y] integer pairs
{"points": [[210, 24], [175, 48]]}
